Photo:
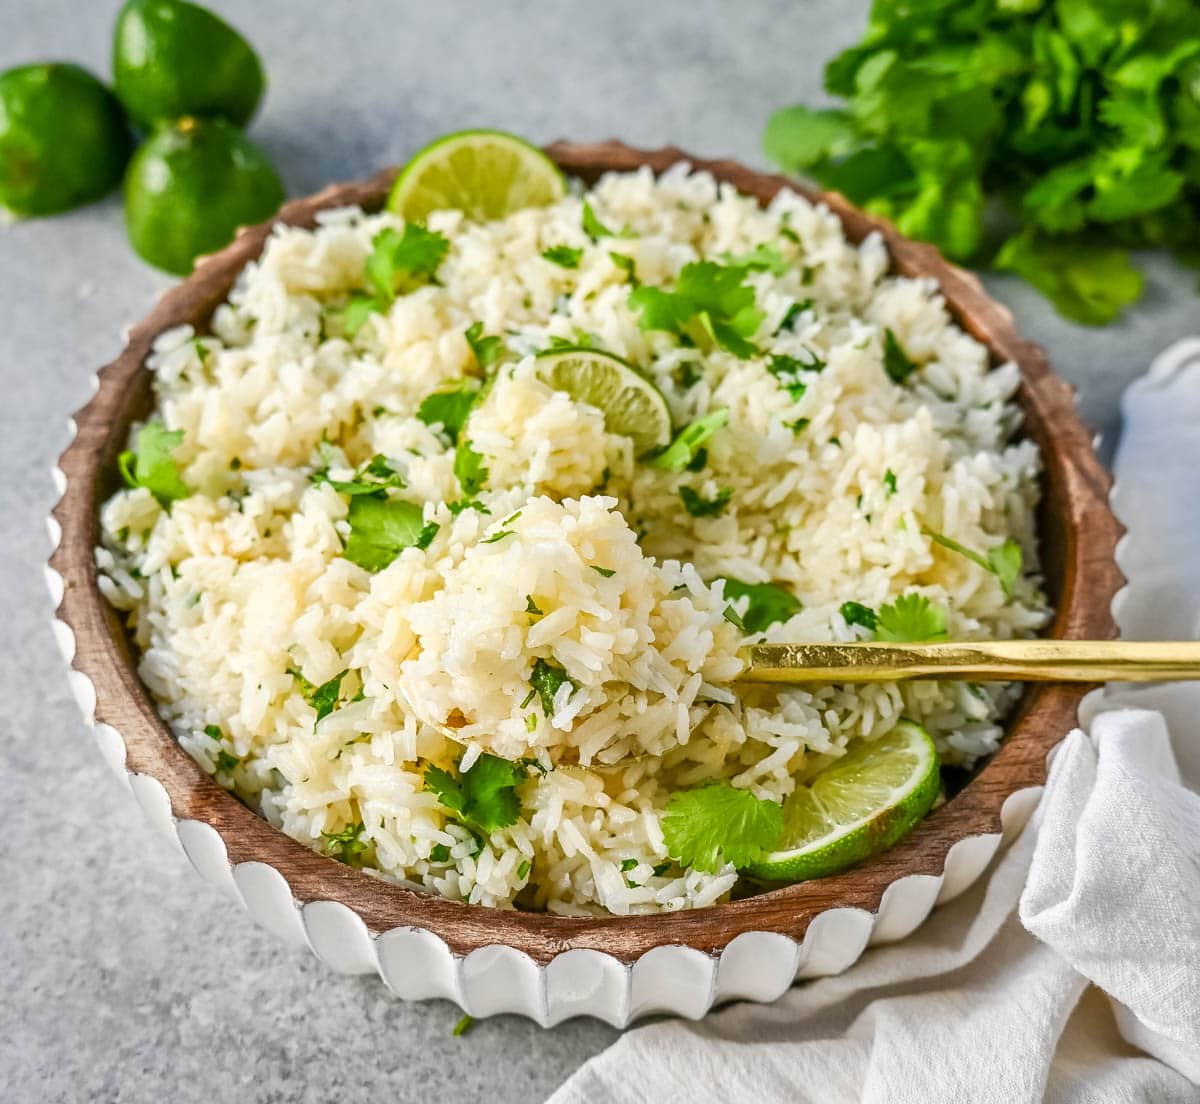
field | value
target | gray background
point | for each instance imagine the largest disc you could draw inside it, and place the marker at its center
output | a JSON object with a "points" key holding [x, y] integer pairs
{"points": [[122, 977]]}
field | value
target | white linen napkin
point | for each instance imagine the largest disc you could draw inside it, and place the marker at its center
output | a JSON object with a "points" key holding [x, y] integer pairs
{"points": [[1073, 973]]}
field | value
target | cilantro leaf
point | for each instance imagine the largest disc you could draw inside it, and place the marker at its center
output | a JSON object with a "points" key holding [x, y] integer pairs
{"points": [[716, 824], [449, 408], [896, 361], [787, 369], [769, 603], [469, 468], [376, 475], [595, 229], [546, 679], [381, 528], [889, 482], [681, 451], [398, 263], [762, 258], [911, 618], [800, 137], [698, 506], [347, 846], [148, 464], [627, 265], [855, 613], [1087, 282], [323, 698], [1003, 561], [487, 350], [563, 256], [708, 299], [484, 797]]}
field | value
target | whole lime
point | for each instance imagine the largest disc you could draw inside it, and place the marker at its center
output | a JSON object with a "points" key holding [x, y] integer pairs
{"points": [[190, 186], [63, 138], [172, 58]]}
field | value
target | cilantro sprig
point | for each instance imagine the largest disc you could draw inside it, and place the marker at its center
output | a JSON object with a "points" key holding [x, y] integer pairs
{"points": [[768, 603], [683, 449], [398, 263], [149, 464], [910, 619], [323, 698], [450, 407], [483, 797], [1080, 118], [1002, 560], [706, 828], [381, 528], [710, 302]]}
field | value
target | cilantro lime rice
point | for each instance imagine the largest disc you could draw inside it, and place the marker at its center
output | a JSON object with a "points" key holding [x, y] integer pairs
{"points": [[432, 617]]}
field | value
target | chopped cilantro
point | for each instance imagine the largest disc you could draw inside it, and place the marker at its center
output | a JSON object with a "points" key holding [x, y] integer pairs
{"points": [[531, 723], [497, 537], [563, 256], [769, 603], [397, 263], [698, 462], [449, 408], [680, 452], [627, 265], [595, 229], [462, 504], [484, 797], [439, 853], [372, 477], [709, 299], [469, 468], [889, 482], [799, 425], [688, 374], [381, 528], [896, 361], [528, 698], [546, 679], [149, 463], [855, 613], [762, 258], [716, 824], [911, 618], [463, 1026], [698, 506], [661, 869], [607, 572], [531, 605], [347, 846], [1003, 561], [788, 322], [487, 350], [426, 535], [524, 869], [787, 369], [213, 732], [226, 762], [323, 698], [627, 865]]}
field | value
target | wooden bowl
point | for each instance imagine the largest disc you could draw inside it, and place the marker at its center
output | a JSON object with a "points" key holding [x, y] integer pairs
{"points": [[1078, 536]]}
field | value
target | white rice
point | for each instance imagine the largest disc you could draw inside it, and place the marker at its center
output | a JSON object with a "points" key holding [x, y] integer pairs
{"points": [[243, 582]]}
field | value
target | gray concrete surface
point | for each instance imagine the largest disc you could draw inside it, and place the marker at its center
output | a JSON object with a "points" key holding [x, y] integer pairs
{"points": [[122, 977]]}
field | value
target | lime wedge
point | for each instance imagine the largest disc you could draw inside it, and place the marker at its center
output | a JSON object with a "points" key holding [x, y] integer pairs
{"points": [[630, 403], [486, 173], [860, 805]]}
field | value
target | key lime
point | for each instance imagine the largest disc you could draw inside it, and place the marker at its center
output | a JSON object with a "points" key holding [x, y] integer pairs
{"points": [[63, 139], [630, 403], [486, 173], [860, 805], [190, 186], [172, 58]]}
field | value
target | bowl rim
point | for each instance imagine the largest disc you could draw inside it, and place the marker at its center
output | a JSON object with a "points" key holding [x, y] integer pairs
{"points": [[1090, 580]]}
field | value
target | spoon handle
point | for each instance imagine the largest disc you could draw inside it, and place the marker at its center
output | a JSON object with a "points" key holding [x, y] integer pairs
{"points": [[987, 661]]}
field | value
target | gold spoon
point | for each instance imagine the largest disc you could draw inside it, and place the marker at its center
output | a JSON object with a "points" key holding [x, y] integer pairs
{"points": [[988, 661]]}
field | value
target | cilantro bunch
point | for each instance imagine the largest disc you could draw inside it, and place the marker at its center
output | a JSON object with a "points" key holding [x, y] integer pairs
{"points": [[1044, 138]]}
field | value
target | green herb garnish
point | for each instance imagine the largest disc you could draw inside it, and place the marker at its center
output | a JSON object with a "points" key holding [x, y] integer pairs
{"points": [[681, 451], [381, 528], [709, 300], [717, 824], [398, 263], [148, 464], [1003, 561], [911, 618], [768, 603], [546, 679], [449, 407], [855, 613], [484, 797], [469, 469], [563, 256], [698, 506]]}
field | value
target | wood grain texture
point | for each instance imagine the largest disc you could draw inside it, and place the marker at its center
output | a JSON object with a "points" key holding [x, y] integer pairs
{"points": [[1078, 533]]}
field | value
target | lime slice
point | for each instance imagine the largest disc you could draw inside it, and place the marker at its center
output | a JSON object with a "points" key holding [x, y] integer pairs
{"points": [[486, 173], [630, 403], [862, 804]]}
